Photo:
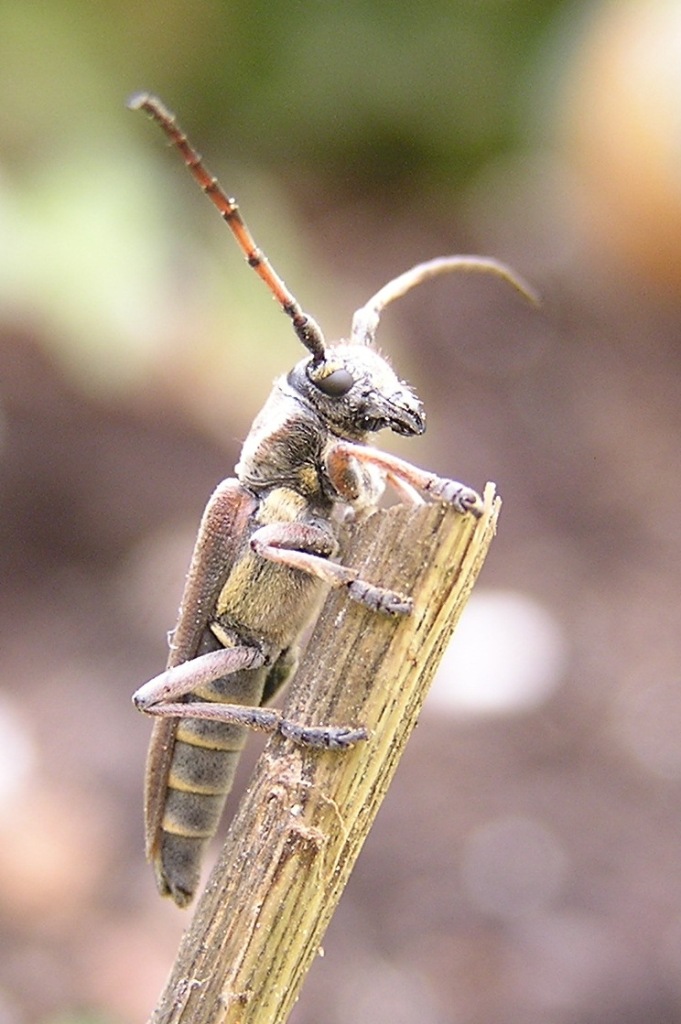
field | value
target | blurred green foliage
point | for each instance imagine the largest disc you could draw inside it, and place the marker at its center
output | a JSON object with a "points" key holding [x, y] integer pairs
{"points": [[372, 90], [380, 101]]}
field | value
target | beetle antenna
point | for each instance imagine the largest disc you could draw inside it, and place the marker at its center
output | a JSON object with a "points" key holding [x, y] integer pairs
{"points": [[305, 327], [365, 321]]}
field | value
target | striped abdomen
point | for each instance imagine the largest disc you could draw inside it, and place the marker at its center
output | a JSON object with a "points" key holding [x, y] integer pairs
{"points": [[201, 773]]}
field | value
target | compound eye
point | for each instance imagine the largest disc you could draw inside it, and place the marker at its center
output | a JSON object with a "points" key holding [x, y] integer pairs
{"points": [[336, 384]]}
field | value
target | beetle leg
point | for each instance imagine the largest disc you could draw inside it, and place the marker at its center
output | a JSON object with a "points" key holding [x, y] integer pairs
{"points": [[333, 737], [296, 545], [328, 737], [190, 675], [159, 697], [405, 491], [261, 719], [463, 498]]}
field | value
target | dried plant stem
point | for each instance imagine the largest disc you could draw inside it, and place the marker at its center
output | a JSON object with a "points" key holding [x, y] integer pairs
{"points": [[301, 825]]}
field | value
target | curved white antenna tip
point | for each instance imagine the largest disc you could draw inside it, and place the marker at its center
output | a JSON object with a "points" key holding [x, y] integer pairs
{"points": [[366, 318]]}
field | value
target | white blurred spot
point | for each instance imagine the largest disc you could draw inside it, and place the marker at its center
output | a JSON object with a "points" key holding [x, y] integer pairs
{"points": [[17, 752], [508, 654], [512, 867]]}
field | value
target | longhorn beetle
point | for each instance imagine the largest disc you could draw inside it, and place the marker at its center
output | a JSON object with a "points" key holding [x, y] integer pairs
{"points": [[265, 546]]}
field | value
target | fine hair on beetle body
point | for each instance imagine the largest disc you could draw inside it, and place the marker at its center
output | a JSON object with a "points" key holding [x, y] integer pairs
{"points": [[264, 551]]}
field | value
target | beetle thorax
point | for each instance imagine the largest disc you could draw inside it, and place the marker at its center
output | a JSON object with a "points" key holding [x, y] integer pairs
{"points": [[284, 446]]}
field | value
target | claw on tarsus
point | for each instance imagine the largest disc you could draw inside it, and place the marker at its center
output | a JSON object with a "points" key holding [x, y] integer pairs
{"points": [[327, 737]]}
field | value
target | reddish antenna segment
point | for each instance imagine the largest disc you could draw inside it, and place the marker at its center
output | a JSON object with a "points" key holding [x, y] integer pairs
{"points": [[305, 327]]}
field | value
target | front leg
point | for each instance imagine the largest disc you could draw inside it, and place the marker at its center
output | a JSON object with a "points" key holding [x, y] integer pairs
{"points": [[307, 547], [339, 460]]}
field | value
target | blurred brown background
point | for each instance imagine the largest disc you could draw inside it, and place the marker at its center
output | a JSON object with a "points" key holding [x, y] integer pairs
{"points": [[526, 866]]}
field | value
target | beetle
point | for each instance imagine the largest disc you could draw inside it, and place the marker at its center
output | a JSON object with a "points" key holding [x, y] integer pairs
{"points": [[263, 556]]}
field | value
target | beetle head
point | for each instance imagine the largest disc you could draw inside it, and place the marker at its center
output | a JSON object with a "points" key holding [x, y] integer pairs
{"points": [[356, 392], [350, 385]]}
